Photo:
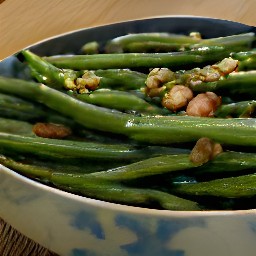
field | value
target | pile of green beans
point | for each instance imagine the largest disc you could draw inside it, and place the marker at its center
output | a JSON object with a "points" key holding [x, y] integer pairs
{"points": [[124, 147]]}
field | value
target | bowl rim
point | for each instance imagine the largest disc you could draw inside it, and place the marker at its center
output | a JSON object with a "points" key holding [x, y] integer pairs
{"points": [[116, 206]]}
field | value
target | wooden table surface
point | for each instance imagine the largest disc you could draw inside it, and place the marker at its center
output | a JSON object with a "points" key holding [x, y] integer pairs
{"points": [[25, 22]]}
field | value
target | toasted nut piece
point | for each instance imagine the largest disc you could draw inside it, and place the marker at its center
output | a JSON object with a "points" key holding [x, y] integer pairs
{"points": [[204, 105], [204, 150], [210, 74], [177, 98], [89, 81], [52, 131], [226, 66], [156, 78]]}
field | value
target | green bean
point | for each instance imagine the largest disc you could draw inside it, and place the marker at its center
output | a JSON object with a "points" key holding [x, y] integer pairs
{"points": [[156, 130], [31, 163], [140, 42], [227, 163], [134, 197], [236, 109], [147, 47], [17, 108], [237, 84], [247, 60], [57, 78], [119, 100], [46, 72], [244, 55], [24, 110], [235, 42], [167, 129], [103, 190], [122, 43], [147, 167], [86, 114], [116, 192], [25, 169], [55, 148], [172, 60], [90, 48], [224, 163], [121, 79], [15, 127], [232, 187]]}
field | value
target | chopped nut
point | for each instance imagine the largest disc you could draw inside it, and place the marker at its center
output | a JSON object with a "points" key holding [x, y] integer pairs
{"points": [[217, 149], [89, 81], [226, 66], [157, 77], [52, 131], [210, 74], [154, 92], [177, 98], [204, 150], [193, 77], [204, 105]]}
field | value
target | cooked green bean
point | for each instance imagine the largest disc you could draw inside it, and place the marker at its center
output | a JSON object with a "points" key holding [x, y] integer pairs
{"points": [[119, 100], [103, 190], [47, 73], [123, 148], [58, 78], [166, 130], [237, 109], [90, 48], [237, 84], [172, 60], [25, 169], [118, 193], [17, 108], [141, 41], [173, 41], [15, 127], [120, 79], [148, 167], [235, 42], [247, 60], [83, 113], [243, 55], [232, 187], [149, 46], [157, 130], [227, 163], [56, 148], [24, 110], [29, 164]]}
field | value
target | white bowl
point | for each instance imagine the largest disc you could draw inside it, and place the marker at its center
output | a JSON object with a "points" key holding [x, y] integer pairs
{"points": [[72, 225]]}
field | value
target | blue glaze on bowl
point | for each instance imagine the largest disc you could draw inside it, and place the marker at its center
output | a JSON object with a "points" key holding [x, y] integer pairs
{"points": [[71, 225]]}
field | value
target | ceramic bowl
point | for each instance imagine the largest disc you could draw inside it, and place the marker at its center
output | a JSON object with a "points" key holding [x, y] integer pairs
{"points": [[72, 225]]}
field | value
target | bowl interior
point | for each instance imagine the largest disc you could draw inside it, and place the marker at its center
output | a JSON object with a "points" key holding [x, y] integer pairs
{"points": [[73, 41]]}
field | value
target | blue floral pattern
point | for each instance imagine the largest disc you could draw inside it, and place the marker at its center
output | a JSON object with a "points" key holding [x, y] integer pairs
{"points": [[85, 220], [151, 236]]}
